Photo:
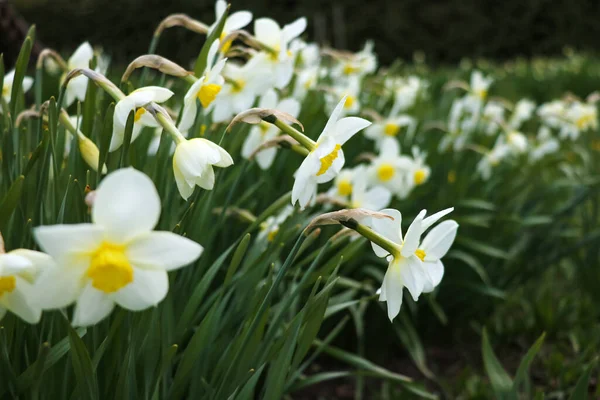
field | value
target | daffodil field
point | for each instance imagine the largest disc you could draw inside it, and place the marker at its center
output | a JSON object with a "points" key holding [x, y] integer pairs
{"points": [[279, 219]]}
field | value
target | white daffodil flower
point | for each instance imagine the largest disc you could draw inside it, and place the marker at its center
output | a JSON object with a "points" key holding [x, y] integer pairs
{"points": [[270, 228], [234, 22], [193, 163], [391, 127], [18, 271], [480, 85], [264, 132], [117, 259], [205, 89], [523, 111], [493, 117], [406, 268], [553, 114], [406, 92], [77, 86], [136, 101], [370, 198], [309, 54], [356, 65], [517, 142], [8, 84], [420, 171], [242, 85], [435, 246], [544, 144], [281, 62], [327, 159], [350, 90], [390, 169], [343, 185], [582, 117], [306, 79], [492, 158]]}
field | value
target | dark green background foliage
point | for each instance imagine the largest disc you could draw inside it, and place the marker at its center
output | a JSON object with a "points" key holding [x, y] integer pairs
{"points": [[445, 30]]}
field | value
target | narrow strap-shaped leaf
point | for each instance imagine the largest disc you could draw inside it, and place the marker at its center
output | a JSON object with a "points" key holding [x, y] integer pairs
{"points": [[202, 60]]}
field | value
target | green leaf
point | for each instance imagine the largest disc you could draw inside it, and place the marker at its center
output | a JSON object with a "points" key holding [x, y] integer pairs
{"points": [[10, 201], [83, 368], [247, 391], [583, 383], [482, 248], [523, 371], [499, 378], [202, 60], [20, 69], [279, 368], [318, 378], [409, 337], [238, 255], [125, 160]]}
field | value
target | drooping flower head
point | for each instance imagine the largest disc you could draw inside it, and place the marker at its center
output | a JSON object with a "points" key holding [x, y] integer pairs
{"points": [[136, 101]]}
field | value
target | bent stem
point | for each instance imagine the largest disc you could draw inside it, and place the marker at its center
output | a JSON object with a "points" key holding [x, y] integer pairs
{"points": [[370, 234], [300, 137]]}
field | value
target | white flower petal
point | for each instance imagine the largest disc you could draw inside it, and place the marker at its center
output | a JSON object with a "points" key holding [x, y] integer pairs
{"points": [[163, 250], [392, 287], [267, 31], [432, 219], [413, 275], [438, 241], [295, 29], [333, 118], [237, 20], [145, 95], [388, 228], [265, 158], [92, 307], [126, 204], [149, 287], [413, 236], [435, 271], [61, 240], [60, 286], [19, 302], [82, 56], [347, 127]]}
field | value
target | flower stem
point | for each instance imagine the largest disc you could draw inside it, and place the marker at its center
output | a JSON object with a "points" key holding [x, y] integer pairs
{"points": [[300, 137], [370, 234]]}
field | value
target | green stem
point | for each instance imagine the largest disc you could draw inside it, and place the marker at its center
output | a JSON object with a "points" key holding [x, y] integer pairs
{"points": [[169, 126], [370, 234], [300, 137]]}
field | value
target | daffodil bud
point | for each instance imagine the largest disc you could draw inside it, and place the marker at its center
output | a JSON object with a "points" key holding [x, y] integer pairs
{"points": [[90, 153]]}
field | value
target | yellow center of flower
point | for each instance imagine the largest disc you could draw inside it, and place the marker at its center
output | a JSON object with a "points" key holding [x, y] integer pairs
{"points": [[110, 269], [264, 127], [385, 172], [202, 129], [328, 160], [208, 93], [421, 254], [7, 284], [5, 91], [272, 234], [391, 129], [349, 102], [482, 93], [452, 176], [419, 176], [308, 84], [350, 69], [226, 45], [344, 187], [238, 85], [584, 121], [138, 114]]}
